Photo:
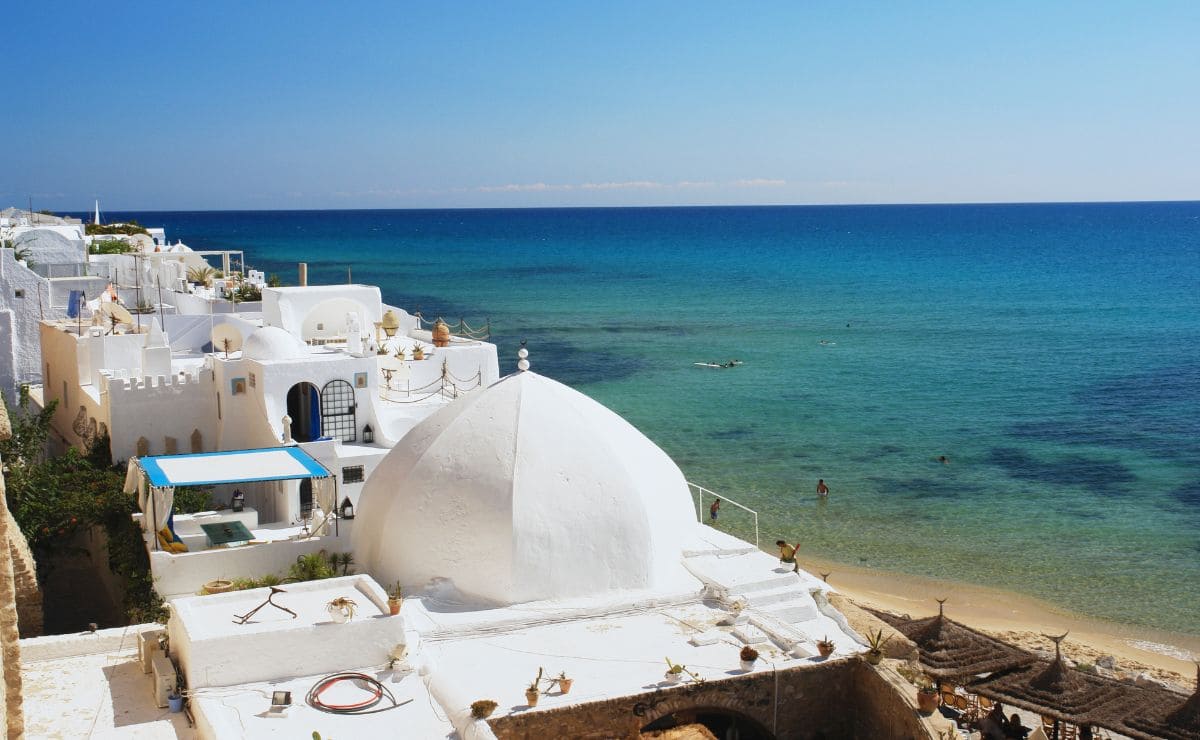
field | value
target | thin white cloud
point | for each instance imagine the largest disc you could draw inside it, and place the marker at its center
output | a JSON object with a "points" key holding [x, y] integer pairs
{"points": [[758, 182]]}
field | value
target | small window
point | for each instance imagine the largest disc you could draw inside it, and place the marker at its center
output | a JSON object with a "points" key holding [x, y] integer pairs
{"points": [[19, 293], [352, 474], [251, 380]]}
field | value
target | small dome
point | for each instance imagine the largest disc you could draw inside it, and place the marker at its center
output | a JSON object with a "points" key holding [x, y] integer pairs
{"points": [[527, 491], [273, 343]]}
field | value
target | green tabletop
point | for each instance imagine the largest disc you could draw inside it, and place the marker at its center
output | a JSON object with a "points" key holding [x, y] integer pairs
{"points": [[223, 533]]}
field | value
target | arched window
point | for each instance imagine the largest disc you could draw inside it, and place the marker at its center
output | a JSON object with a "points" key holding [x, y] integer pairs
{"points": [[337, 411]]}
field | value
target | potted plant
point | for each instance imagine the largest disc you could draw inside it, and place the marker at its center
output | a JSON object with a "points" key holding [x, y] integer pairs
{"points": [[418, 352], [483, 708], [395, 599], [341, 609], [927, 698], [876, 641], [531, 693], [748, 655], [825, 647], [219, 586], [674, 672], [564, 683]]}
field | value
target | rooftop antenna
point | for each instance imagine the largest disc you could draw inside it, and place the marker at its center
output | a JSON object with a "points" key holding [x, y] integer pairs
{"points": [[349, 279]]}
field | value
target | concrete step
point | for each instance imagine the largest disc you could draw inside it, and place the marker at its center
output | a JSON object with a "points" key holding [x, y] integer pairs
{"points": [[789, 592], [769, 584], [794, 612]]}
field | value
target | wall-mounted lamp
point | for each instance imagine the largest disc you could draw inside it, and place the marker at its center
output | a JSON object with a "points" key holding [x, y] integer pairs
{"points": [[347, 508], [368, 435], [238, 502]]}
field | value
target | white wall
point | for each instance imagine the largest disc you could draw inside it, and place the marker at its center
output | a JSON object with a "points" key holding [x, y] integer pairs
{"points": [[159, 407], [299, 308], [20, 342], [184, 574]]}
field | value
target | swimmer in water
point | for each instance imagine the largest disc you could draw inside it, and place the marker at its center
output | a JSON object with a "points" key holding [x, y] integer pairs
{"points": [[822, 489], [944, 460]]}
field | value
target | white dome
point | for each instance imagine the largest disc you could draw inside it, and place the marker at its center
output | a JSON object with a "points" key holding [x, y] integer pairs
{"points": [[273, 343], [527, 491]]}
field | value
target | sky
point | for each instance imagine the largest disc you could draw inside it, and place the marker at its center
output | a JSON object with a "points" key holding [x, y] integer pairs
{"points": [[254, 105]]}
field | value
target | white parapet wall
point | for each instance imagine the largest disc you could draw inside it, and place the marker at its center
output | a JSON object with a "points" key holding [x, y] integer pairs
{"points": [[214, 650], [184, 574]]}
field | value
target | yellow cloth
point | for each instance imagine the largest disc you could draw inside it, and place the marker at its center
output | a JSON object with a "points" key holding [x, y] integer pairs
{"points": [[170, 542], [787, 553]]}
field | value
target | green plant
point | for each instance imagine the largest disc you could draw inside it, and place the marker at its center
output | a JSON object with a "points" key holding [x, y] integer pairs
{"points": [[311, 566], [537, 682], [202, 275], [341, 560], [345, 604], [273, 281], [246, 292], [395, 592], [190, 499], [129, 229], [111, 246]]}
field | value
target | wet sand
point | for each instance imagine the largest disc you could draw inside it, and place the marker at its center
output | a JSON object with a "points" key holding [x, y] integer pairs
{"points": [[1166, 656]]}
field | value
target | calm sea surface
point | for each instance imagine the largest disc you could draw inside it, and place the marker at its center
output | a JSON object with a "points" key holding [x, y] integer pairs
{"points": [[1051, 352]]}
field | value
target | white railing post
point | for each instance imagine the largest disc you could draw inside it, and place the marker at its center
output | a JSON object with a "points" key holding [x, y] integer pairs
{"points": [[700, 490]]}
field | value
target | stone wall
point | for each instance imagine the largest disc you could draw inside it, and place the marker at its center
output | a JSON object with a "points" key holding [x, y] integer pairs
{"points": [[28, 590], [11, 713], [842, 699]]}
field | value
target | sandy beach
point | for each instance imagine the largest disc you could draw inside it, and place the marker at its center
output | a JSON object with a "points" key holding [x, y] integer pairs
{"points": [[1019, 619]]}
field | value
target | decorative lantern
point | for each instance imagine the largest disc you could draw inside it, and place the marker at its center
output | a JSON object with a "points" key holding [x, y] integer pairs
{"points": [[238, 502], [390, 323], [368, 435], [347, 508]]}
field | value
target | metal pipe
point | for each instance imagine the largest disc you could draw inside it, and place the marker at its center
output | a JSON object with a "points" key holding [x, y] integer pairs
{"points": [[303, 273]]}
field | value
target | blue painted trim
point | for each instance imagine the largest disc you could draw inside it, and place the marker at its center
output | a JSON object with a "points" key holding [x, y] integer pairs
{"points": [[158, 478]]}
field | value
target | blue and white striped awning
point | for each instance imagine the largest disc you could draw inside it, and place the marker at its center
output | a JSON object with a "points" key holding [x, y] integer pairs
{"points": [[234, 466]]}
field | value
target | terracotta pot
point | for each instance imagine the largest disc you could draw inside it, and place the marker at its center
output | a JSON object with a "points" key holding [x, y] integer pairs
{"points": [[873, 656], [928, 702], [394, 606], [564, 685], [218, 586], [824, 649], [531, 697]]}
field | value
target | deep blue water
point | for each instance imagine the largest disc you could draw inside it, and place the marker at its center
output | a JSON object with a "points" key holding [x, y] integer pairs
{"points": [[1051, 352]]}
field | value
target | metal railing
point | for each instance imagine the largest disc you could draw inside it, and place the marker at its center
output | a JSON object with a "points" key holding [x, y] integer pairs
{"points": [[701, 491]]}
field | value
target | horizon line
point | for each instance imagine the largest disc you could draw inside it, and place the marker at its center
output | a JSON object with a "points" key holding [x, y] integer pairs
{"points": [[642, 207]]}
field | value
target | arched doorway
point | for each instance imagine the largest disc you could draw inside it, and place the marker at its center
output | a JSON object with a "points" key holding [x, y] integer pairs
{"points": [[304, 406], [723, 723], [338, 418]]}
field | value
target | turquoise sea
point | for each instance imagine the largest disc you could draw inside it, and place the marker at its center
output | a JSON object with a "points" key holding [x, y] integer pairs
{"points": [[1051, 352]]}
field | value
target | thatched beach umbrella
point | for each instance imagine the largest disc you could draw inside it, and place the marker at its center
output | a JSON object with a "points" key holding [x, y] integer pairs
{"points": [[954, 651], [1052, 689], [1156, 712]]}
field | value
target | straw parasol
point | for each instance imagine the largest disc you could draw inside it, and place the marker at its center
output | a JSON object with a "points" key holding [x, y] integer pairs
{"points": [[1053, 689], [952, 650], [1156, 712]]}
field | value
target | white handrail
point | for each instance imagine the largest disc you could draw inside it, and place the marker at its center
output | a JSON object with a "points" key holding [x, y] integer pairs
{"points": [[701, 490]]}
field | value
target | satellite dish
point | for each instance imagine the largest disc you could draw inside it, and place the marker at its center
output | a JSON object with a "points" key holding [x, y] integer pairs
{"points": [[142, 242], [226, 338], [116, 314]]}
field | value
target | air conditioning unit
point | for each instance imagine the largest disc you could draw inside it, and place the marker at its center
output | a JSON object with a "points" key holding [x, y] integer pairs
{"points": [[164, 678]]}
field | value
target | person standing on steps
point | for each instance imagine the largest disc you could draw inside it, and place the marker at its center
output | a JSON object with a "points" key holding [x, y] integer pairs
{"points": [[713, 510], [822, 489]]}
